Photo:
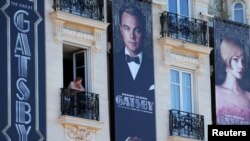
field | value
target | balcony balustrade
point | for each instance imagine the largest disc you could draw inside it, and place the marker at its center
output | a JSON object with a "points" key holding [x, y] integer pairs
{"points": [[92, 9], [184, 28], [80, 104], [186, 124]]}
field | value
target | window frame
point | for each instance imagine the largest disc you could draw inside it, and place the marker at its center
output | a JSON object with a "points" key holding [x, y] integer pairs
{"points": [[88, 65], [181, 71], [178, 7], [233, 12], [85, 66]]}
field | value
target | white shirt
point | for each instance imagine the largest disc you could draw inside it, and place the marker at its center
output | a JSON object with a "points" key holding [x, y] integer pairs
{"points": [[133, 67]]}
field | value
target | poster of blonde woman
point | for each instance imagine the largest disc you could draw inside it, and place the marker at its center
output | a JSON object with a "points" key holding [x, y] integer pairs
{"points": [[232, 95]]}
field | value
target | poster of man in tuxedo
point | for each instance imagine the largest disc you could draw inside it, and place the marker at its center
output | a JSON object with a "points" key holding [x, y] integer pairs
{"points": [[134, 99]]}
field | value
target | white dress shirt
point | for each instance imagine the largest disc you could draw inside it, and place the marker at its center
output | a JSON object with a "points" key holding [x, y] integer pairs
{"points": [[133, 67]]}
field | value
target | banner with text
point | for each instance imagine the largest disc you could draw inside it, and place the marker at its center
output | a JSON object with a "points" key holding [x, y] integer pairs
{"points": [[134, 99], [22, 64], [232, 74]]}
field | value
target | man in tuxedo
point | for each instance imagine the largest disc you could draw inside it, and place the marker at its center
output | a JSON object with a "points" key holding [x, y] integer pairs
{"points": [[133, 80]]}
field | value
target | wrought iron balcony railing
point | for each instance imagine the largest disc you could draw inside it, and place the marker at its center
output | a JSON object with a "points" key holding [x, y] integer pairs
{"points": [[92, 9], [183, 28], [79, 104], [186, 124]]}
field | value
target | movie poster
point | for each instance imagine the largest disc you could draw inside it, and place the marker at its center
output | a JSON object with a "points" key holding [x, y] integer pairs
{"points": [[134, 99], [22, 76], [232, 72]]}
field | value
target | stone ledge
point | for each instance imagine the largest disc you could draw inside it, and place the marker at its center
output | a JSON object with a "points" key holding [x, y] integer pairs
{"points": [[71, 19], [76, 121]]}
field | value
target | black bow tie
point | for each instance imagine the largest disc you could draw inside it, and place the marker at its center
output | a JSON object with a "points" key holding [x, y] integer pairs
{"points": [[132, 59]]}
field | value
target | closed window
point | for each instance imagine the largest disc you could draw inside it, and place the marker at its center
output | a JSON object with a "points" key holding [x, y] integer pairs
{"points": [[180, 7], [238, 12], [181, 90]]}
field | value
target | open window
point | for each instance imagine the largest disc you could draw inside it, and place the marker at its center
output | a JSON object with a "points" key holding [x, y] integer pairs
{"points": [[75, 63]]}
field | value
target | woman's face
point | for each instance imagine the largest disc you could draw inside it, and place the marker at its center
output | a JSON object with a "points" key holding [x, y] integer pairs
{"points": [[237, 66]]}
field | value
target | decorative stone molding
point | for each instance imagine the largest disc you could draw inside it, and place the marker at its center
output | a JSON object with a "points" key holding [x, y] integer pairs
{"points": [[183, 58], [78, 133], [187, 55], [179, 138], [202, 63], [58, 30], [81, 30], [100, 39], [78, 36], [79, 129], [167, 56]]}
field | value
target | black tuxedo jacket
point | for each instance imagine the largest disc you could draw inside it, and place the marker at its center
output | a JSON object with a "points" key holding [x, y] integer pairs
{"points": [[130, 119], [124, 81]]}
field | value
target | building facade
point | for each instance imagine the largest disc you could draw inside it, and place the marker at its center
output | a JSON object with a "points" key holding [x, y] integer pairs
{"points": [[78, 42]]}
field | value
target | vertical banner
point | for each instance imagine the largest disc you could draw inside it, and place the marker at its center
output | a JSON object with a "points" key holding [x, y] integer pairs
{"points": [[232, 74], [22, 77], [134, 98]]}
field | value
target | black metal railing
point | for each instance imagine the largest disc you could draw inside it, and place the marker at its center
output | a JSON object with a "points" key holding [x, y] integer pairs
{"points": [[186, 124], [92, 9], [79, 104], [183, 28]]}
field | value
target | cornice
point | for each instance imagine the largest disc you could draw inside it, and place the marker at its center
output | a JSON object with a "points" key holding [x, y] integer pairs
{"points": [[78, 20], [184, 47], [75, 121]]}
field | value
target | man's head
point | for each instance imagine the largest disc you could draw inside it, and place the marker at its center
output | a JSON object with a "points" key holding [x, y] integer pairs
{"points": [[132, 28]]}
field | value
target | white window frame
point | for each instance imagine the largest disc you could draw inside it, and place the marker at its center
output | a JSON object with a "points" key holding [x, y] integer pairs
{"points": [[233, 13], [178, 7], [85, 67], [181, 71]]}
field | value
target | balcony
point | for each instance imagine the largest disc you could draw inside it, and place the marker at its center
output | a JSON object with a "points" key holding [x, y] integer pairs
{"points": [[184, 28], [186, 125], [92, 9], [80, 104]]}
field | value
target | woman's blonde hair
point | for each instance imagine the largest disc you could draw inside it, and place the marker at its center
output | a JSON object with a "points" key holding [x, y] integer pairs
{"points": [[230, 47]]}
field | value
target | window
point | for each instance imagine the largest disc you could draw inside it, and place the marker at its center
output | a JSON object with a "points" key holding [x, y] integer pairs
{"points": [[238, 12], [75, 64], [181, 90], [180, 7]]}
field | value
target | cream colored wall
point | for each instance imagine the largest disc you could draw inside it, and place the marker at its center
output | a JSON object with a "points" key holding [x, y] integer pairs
{"points": [[199, 6], [54, 79], [100, 86], [162, 97]]}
